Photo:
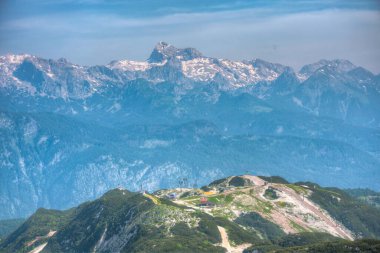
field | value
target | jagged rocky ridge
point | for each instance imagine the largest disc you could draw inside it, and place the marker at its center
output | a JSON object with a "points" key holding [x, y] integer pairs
{"points": [[78, 131], [240, 213]]}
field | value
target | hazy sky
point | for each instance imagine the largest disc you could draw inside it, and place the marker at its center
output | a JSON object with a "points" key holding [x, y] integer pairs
{"points": [[289, 32]]}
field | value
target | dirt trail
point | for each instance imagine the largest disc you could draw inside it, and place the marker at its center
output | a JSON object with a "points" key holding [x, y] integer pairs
{"points": [[226, 243]]}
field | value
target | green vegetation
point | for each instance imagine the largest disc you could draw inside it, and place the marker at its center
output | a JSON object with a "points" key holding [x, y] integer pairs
{"points": [[220, 199], [305, 238], [239, 182], [208, 226], [362, 219], [182, 239], [298, 227], [282, 204], [237, 235], [270, 193], [177, 244], [190, 194], [182, 229], [39, 224], [216, 199], [236, 181], [133, 222], [363, 246], [224, 213], [206, 188], [263, 206], [274, 179], [287, 243], [113, 211], [218, 182], [229, 198], [8, 226], [298, 189], [267, 229], [366, 196]]}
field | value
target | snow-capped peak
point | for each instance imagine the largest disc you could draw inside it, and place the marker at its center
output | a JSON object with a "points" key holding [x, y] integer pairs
{"points": [[127, 65], [166, 63], [170, 63], [14, 58], [163, 51]]}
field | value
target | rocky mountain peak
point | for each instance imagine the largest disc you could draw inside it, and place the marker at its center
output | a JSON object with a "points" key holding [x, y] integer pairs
{"points": [[163, 51], [337, 65]]}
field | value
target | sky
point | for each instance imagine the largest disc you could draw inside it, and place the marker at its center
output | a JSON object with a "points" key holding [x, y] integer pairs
{"points": [[291, 32]]}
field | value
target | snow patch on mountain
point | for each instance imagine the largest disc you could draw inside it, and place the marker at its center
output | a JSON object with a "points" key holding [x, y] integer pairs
{"points": [[61, 79], [130, 65]]}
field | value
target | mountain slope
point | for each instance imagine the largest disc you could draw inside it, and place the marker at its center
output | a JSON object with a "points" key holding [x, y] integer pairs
{"points": [[240, 212]]}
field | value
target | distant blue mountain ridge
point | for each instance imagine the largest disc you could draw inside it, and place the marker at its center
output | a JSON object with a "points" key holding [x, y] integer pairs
{"points": [[69, 133]]}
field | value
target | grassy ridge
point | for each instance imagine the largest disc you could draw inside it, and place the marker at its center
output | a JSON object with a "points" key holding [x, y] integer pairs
{"points": [[39, 224], [123, 221]]}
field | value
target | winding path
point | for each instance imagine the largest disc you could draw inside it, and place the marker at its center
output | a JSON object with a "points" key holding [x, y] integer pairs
{"points": [[226, 243]]}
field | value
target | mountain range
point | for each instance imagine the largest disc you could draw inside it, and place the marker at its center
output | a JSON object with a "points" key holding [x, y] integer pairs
{"points": [[179, 119], [250, 214]]}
